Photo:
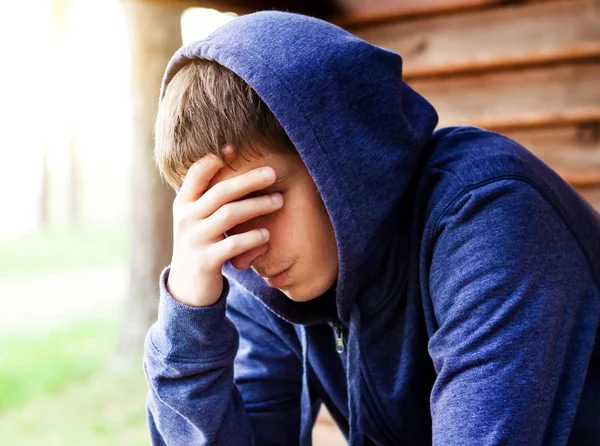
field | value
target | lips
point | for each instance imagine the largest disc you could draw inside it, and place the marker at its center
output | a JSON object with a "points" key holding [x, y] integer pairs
{"points": [[269, 276], [279, 280], [275, 280]]}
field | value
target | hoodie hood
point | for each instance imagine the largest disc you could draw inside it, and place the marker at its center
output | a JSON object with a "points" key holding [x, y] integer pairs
{"points": [[356, 125]]}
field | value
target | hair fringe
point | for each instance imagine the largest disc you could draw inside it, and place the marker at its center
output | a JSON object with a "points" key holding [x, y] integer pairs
{"points": [[205, 107]]}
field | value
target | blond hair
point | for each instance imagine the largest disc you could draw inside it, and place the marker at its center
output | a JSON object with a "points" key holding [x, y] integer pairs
{"points": [[205, 107]]}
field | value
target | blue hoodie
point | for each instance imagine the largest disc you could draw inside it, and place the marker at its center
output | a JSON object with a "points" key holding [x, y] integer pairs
{"points": [[467, 304]]}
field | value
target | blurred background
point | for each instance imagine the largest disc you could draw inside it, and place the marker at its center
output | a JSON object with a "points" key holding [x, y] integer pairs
{"points": [[86, 229]]}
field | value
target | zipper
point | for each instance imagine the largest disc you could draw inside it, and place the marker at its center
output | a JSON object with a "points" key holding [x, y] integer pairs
{"points": [[378, 421], [339, 338]]}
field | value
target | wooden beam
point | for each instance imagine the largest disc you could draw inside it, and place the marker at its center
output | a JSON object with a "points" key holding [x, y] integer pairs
{"points": [[311, 7], [591, 195], [346, 12], [578, 179], [487, 39], [359, 12], [572, 150], [565, 94], [224, 6]]}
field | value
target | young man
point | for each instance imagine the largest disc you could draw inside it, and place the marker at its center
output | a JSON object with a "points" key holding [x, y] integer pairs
{"points": [[330, 247]]}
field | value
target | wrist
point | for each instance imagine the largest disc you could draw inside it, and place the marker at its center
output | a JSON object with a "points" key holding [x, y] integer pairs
{"points": [[182, 331]]}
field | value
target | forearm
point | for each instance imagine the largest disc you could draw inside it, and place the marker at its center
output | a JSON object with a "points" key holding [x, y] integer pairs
{"points": [[188, 362]]}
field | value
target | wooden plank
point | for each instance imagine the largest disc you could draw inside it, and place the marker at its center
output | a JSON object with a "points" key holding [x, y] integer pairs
{"points": [[355, 12], [518, 98], [500, 37], [317, 8], [591, 195], [582, 179], [573, 151], [239, 7], [346, 12]]}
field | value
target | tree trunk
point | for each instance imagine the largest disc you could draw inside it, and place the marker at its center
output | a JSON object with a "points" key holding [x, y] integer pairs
{"points": [[154, 35]]}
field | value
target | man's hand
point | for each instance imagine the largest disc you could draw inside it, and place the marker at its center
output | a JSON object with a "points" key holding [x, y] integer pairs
{"points": [[201, 218]]}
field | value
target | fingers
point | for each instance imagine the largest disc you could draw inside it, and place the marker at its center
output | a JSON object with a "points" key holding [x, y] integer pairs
{"points": [[245, 259], [239, 243], [238, 212], [198, 178], [233, 189]]}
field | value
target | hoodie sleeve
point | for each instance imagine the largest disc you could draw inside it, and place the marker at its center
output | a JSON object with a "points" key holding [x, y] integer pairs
{"points": [[512, 293], [196, 396]]}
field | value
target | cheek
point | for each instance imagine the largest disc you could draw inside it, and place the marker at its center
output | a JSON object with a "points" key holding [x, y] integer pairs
{"points": [[300, 228], [283, 227]]}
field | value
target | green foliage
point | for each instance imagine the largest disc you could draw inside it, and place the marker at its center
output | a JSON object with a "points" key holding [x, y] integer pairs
{"points": [[45, 362], [61, 250], [56, 389]]}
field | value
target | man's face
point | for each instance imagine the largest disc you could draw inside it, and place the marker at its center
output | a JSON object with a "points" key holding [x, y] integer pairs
{"points": [[302, 241]]}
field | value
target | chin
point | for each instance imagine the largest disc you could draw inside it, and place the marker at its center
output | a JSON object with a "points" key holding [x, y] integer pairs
{"points": [[304, 293], [298, 297]]}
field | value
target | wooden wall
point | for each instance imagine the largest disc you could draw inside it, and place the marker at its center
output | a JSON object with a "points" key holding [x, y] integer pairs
{"points": [[528, 69]]}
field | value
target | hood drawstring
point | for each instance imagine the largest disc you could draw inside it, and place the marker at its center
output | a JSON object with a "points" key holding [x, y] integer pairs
{"points": [[353, 379], [306, 413]]}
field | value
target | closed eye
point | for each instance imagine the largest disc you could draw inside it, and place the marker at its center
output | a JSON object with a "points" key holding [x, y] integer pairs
{"points": [[258, 193]]}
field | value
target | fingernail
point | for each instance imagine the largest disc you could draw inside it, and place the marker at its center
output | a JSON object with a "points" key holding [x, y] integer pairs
{"points": [[264, 233], [227, 150], [277, 199], [267, 173]]}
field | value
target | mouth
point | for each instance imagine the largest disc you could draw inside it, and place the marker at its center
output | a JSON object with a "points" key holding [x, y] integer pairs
{"points": [[276, 280]]}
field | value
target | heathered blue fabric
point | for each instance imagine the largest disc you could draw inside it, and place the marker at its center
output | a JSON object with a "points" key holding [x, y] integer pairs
{"points": [[468, 290]]}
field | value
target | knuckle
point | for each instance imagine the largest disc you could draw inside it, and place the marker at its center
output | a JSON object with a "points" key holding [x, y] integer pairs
{"points": [[235, 243], [227, 214], [198, 236], [223, 188], [182, 219], [179, 222]]}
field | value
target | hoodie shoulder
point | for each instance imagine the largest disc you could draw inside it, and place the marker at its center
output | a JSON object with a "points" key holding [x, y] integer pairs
{"points": [[473, 155], [460, 159]]}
